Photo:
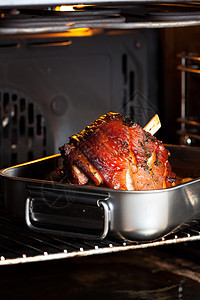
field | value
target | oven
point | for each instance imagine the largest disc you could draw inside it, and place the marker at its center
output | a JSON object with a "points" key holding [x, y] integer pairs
{"points": [[62, 66]]}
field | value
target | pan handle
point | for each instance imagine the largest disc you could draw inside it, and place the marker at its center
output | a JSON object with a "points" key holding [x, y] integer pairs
{"points": [[102, 235]]}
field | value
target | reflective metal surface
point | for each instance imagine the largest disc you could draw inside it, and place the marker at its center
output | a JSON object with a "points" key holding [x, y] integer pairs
{"points": [[150, 215], [134, 215]]}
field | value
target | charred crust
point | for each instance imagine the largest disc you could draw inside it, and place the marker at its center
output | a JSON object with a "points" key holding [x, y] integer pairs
{"points": [[128, 122], [92, 129], [149, 137]]}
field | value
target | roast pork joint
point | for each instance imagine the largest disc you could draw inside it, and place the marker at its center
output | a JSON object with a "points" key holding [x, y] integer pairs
{"points": [[117, 153]]}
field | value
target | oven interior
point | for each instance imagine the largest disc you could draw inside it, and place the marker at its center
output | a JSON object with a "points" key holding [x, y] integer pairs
{"points": [[63, 67], [78, 79]]}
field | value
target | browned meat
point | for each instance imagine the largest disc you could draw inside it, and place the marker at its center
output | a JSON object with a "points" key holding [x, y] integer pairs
{"points": [[117, 152], [78, 167]]}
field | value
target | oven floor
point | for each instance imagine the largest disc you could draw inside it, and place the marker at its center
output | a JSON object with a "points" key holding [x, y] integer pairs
{"points": [[170, 272]]}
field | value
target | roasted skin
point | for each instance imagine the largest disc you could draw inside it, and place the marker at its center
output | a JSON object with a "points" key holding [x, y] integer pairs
{"points": [[116, 152]]}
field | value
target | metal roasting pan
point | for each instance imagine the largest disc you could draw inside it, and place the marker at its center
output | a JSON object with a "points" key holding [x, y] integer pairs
{"points": [[34, 194]]}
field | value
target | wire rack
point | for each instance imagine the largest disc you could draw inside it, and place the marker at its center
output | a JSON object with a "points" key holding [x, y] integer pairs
{"points": [[20, 245]]}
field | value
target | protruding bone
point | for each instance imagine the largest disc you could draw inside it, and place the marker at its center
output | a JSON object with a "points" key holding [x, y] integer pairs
{"points": [[153, 125]]}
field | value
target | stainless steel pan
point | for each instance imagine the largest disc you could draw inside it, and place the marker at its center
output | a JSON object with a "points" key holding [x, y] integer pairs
{"points": [[33, 193]]}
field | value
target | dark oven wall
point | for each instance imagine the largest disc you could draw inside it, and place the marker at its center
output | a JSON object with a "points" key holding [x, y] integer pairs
{"points": [[52, 87]]}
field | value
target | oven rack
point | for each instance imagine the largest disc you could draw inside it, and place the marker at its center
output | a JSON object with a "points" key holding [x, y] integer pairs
{"points": [[189, 128], [20, 245], [130, 16]]}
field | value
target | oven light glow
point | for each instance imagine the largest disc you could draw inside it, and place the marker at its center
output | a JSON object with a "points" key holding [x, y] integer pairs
{"points": [[188, 140], [71, 7], [80, 32], [64, 8], [75, 32]]}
